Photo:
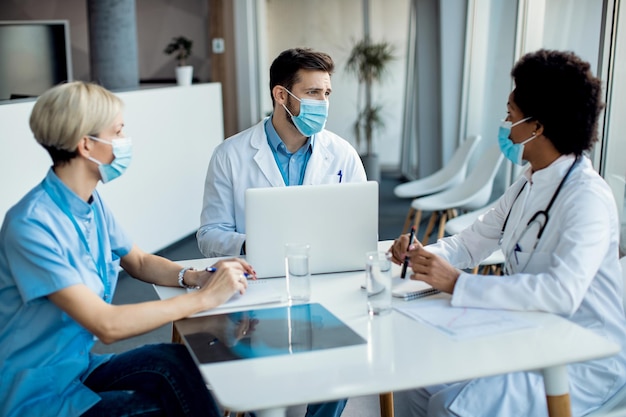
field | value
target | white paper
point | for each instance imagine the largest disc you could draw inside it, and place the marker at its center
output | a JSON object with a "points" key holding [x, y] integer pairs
{"points": [[463, 322], [260, 291]]}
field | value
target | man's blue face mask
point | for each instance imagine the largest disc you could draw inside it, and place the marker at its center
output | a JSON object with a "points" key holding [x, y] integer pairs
{"points": [[312, 117], [512, 151]]}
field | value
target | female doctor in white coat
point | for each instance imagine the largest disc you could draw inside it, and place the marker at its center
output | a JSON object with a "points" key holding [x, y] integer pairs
{"points": [[291, 147], [558, 228]]}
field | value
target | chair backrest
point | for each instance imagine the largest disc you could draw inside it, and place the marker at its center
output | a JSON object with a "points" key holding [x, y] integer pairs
{"points": [[472, 193], [454, 172], [457, 224]]}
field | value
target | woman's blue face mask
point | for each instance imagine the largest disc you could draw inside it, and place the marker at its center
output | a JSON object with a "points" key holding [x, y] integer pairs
{"points": [[512, 151], [122, 151], [312, 116]]}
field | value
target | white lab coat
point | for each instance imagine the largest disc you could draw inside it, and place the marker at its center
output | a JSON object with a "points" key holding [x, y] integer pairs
{"points": [[573, 272], [246, 161]]}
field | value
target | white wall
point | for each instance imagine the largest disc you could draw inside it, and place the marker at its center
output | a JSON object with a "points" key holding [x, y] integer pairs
{"points": [[333, 26], [159, 199], [158, 21]]}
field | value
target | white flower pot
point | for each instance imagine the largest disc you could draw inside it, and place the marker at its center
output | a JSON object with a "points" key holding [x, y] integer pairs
{"points": [[184, 75]]}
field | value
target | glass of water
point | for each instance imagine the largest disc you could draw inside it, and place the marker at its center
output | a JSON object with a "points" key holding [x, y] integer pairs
{"points": [[378, 282], [297, 272]]}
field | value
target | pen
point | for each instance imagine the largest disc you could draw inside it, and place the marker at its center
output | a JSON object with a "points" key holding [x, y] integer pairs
{"points": [[340, 176], [214, 269], [406, 258]]}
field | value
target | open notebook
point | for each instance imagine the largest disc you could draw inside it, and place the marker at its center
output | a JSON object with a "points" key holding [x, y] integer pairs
{"points": [[338, 221], [409, 289]]}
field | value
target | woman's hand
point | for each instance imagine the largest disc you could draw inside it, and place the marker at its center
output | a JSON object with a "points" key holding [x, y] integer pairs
{"points": [[200, 277], [399, 248], [229, 277], [433, 270]]}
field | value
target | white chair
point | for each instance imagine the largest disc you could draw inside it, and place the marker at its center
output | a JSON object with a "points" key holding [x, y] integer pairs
{"points": [[616, 406], [453, 173], [470, 194], [493, 263]]}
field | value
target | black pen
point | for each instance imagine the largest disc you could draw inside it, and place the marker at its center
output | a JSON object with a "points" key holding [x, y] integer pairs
{"points": [[405, 265]]}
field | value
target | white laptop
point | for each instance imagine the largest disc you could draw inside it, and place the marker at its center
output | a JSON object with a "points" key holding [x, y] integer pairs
{"points": [[339, 221]]}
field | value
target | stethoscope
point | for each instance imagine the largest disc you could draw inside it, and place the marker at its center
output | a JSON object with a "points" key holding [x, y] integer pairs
{"points": [[536, 219]]}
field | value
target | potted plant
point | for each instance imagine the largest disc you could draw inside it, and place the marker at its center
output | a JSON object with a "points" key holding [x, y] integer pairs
{"points": [[368, 61], [181, 47]]}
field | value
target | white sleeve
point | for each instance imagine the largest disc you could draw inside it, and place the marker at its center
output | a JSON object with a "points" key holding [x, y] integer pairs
{"points": [[217, 235], [560, 270]]}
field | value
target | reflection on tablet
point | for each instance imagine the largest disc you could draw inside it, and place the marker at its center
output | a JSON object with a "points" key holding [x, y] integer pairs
{"points": [[265, 332]]}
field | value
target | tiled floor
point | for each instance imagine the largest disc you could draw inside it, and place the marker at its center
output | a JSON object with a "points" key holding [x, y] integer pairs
{"points": [[391, 218]]}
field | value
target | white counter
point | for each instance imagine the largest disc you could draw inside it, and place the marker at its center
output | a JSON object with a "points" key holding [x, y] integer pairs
{"points": [[159, 199]]}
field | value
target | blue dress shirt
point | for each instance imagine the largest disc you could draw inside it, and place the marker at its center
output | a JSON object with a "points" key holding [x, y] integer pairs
{"points": [[292, 166]]}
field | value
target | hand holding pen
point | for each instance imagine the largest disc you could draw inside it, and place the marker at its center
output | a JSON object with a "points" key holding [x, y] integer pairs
{"points": [[405, 264], [214, 269]]}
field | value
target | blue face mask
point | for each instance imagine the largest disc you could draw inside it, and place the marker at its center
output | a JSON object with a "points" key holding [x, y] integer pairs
{"points": [[512, 151], [312, 117], [122, 151]]}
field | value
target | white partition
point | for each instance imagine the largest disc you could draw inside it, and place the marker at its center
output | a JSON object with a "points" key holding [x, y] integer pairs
{"points": [[158, 200]]}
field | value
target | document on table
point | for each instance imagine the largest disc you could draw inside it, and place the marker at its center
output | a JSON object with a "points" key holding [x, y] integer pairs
{"points": [[260, 291], [462, 322]]}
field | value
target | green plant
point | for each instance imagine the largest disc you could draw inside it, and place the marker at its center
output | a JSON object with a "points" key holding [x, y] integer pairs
{"points": [[368, 61], [180, 46]]}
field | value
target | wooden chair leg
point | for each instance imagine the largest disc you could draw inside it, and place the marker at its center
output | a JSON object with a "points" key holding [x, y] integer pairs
{"points": [[417, 220], [430, 227], [227, 414], [386, 404], [475, 269], [442, 224], [408, 220]]}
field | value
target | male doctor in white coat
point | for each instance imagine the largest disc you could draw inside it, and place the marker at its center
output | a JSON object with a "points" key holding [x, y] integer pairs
{"points": [[291, 147]]}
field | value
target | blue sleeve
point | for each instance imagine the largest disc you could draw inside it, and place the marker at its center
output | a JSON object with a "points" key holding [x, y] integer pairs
{"points": [[37, 258]]}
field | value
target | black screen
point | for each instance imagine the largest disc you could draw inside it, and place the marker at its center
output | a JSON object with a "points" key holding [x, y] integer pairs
{"points": [[34, 56]]}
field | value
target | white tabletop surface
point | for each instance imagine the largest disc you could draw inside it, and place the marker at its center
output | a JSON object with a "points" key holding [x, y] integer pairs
{"points": [[400, 353]]}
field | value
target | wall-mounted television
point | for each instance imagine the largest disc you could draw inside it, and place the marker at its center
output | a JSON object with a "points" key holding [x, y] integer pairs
{"points": [[34, 56]]}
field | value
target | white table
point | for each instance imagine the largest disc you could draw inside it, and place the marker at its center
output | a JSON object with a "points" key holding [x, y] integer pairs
{"points": [[400, 354]]}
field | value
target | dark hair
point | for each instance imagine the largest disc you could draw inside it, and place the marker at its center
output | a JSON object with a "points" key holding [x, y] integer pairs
{"points": [[285, 67], [559, 91]]}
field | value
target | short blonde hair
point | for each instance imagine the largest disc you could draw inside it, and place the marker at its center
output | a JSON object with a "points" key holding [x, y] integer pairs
{"points": [[65, 113]]}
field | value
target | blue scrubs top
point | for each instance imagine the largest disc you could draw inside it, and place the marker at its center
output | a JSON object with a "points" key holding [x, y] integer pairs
{"points": [[45, 354]]}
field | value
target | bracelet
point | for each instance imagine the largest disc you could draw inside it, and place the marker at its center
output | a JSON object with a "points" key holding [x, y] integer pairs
{"points": [[181, 276]]}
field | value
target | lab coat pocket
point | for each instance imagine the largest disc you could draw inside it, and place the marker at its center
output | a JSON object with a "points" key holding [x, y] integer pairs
{"points": [[332, 179]]}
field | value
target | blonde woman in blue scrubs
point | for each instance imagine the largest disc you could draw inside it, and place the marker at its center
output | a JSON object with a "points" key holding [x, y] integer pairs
{"points": [[60, 253]]}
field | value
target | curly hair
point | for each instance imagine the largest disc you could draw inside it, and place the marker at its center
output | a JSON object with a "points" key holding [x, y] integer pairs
{"points": [[284, 69], [558, 90]]}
